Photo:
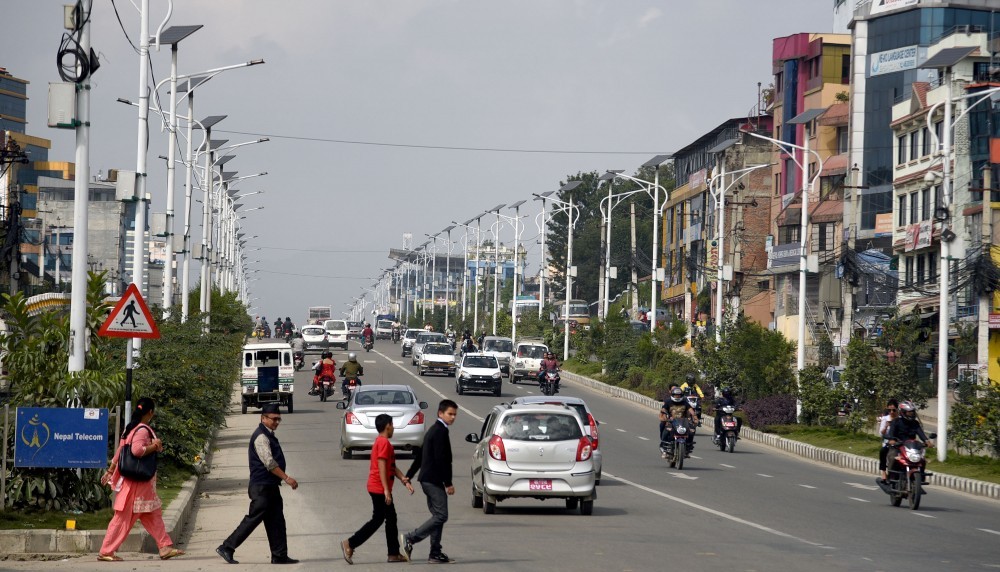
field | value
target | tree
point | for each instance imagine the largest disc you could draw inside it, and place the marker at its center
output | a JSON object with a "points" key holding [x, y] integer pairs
{"points": [[753, 361]]}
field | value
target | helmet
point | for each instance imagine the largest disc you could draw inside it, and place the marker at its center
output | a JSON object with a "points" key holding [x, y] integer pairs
{"points": [[689, 378], [352, 356], [727, 393], [287, 319], [367, 325], [908, 410], [676, 395]]}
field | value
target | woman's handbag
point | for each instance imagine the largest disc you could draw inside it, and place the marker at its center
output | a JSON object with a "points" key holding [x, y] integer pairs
{"points": [[135, 468]]}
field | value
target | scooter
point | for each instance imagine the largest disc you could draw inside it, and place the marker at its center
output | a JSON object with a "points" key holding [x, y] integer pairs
{"points": [[676, 442], [299, 360], [730, 425], [907, 475]]}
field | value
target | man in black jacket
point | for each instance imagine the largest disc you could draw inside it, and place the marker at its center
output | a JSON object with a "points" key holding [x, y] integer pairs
{"points": [[434, 463], [267, 472]]}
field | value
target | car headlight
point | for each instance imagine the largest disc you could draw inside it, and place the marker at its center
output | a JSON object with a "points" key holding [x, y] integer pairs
{"points": [[496, 375], [464, 375]]}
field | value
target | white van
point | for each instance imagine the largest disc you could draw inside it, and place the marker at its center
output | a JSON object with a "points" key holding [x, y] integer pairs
{"points": [[527, 359], [267, 375], [337, 331]]}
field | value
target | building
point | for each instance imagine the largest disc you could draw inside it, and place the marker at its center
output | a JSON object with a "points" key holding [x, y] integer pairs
{"points": [[13, 102], [689, 262], [811, 77]]}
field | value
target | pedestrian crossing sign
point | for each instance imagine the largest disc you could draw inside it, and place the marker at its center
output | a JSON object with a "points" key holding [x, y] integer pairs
{"points": [[130, 318]]}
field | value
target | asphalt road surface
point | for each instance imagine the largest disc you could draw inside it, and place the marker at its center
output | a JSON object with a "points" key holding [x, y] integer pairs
{"points": [[755, 509]]}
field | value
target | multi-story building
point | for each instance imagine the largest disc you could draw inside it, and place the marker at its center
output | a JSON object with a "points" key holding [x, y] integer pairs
{"points": [[13, 102], [689, 234], [811, 76]]}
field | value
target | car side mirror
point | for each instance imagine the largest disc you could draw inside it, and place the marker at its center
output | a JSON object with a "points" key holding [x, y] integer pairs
{"points": [[423, 405], [341, 405], [472, 438]]}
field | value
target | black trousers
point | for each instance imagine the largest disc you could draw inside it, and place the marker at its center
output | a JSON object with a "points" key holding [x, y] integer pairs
{"points": [[381, 512], [265, 506]]}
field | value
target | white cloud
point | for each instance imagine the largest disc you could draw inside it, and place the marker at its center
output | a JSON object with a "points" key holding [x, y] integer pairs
{"points": [[650, 15]]}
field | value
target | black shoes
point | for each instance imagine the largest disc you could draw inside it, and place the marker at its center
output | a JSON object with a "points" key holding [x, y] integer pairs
{"points": [[441, 558], [406, 545], [283, 560], [226, 554]]}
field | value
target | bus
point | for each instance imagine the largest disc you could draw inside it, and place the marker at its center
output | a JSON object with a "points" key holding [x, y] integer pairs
{"points": [[523, 305], [319, 314], [579, 312]]}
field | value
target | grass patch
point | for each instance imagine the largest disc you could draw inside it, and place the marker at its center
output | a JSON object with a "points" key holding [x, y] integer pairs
{"points": [[169, 480], [589, 369], [969, 466]]}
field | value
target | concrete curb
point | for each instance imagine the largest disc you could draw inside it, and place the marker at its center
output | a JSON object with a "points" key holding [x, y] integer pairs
{"points": [[804, 450]]}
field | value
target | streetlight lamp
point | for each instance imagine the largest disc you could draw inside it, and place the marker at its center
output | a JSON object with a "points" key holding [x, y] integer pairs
{"points": [[805, 119], [570, 209], [465, 262]]}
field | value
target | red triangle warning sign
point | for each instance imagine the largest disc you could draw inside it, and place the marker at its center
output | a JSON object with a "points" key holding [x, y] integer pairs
{"points": [[130, 318]]}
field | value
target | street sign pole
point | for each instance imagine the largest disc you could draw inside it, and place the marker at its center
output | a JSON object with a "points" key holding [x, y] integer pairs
{"points": [[130, 319], [130, 348]]}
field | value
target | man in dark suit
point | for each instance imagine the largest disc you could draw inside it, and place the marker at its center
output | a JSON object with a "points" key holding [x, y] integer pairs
{"points": [[267, 472], [434, 464]]}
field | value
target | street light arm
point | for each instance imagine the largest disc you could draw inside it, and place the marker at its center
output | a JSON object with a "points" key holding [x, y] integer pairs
{"points": [[648, 184], [784, 146]]}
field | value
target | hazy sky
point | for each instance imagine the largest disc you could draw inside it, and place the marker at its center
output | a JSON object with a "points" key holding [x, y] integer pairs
{"points": [[615, 80]]}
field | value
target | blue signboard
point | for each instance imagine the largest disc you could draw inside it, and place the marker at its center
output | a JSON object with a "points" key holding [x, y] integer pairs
{"points": [[61, 438]]}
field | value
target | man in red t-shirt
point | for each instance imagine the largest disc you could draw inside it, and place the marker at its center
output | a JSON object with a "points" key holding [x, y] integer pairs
{"points": [[381, 473]]}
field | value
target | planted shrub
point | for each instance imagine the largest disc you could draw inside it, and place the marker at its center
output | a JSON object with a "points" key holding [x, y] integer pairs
{"points": [[770, 410]]}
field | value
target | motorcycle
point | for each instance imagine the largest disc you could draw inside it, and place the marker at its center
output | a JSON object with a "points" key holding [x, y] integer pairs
{"points": [[258, 332], [727, 440], [350, 384], [326, 388], [676, 442], [395, 335], [369, 343], [907, 475], [299, 360], [549, 382], [451, 341], [267, 331]]}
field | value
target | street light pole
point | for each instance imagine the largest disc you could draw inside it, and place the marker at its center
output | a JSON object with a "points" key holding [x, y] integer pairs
{"points": [[543, 273], [496, 267], [570, 209]]}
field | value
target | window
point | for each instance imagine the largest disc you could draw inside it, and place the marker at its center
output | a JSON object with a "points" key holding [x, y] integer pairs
{"points": [[825, 235], [925, 204], [920, 269], [901, 149], [909, 270], [931, 267], [925, 137], [778, 82], [788, 234], [914, 146], [777, 132], [842, 140], [901, 210], [777, 185], [938, 132], [913, 208], [845, 69]]}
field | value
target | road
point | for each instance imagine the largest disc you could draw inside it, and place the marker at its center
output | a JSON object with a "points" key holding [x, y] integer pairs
{"points": [[755, 509]]}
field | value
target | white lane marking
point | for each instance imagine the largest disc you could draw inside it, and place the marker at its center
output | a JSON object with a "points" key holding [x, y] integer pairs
{"points": [[714, 512], [695, 457], [620, 430], [683, 476], [429, 386], [859, 500], [726, 466], [369, 361], [989, 531], [861, 486], [923, 515], [765, 476], [643, 438], [807, 486]]}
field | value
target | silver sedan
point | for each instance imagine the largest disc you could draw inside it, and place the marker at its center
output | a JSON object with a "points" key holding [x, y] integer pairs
{"points": [[357, 427]]}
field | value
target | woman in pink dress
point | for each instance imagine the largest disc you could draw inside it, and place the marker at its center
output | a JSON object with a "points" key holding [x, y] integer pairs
{"points": [[136, 500]]}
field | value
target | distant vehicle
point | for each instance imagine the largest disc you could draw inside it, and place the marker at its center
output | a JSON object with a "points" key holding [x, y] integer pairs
{"points": [[409, 338], [422, 339], [437, 358], [525, 304], [319, 314], [357, 427], [500, 348], [527, 360], [314, 339], [383, 329], [267, 375], [336, 331], [579, 312], [354, 330], [479, 372]]}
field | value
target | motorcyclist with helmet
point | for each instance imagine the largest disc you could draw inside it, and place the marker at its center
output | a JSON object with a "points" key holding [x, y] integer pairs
{"points": [[548, 363], [288, 327], [725, 398], [690, 387], [326, 369], [675, 406], [351, 370], [368, 334], [905, 428]]}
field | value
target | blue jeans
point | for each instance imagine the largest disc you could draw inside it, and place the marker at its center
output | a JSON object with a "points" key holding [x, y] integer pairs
{"points": [[437, 504]]}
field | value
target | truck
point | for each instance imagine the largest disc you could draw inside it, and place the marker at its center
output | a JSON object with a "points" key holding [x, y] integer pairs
{"points": [[319, 314]]}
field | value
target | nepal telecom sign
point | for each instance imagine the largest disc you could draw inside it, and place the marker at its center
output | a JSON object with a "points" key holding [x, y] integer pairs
{"points": [[892, 61], [58, 437]]}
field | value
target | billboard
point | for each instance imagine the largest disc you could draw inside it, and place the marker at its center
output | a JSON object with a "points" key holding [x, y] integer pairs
{"points": [[882, 6], [58, 437], [891, 61]]}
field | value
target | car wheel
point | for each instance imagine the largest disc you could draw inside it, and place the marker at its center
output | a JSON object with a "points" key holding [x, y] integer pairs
{"points": [[345, 454], [572, 503], [291, 406], [477, 500], [420, 372], [587, 507], [245, 406], [458, 389], [496, 392], [597, 480], [489, 504]]}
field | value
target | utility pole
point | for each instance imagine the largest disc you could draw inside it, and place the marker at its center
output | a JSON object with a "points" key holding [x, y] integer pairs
{"points": [[603, 277], [634, 284], [986, 299]]}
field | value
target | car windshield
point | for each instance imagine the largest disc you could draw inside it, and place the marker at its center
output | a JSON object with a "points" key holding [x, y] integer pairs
{"points": [[505, 346], [438, 349], [384, 397], [540, 427], [313, 331], [423, 338], [384, 324], [532, 352], [410, 334], [481, 361], [355, 324], [335, 325]]}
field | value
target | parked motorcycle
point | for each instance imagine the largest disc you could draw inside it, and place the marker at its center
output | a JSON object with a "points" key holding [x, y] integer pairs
{"points": [[549, 382], [906, 474], [299, 360], [727, 440], [350, 384], [676, 442]]}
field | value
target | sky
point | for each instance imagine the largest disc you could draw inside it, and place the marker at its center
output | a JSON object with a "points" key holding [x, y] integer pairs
{"points": [[380, 112]]}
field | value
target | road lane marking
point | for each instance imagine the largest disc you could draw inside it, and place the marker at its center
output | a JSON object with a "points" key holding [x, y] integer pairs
{"points": [[765, 476], [714, 512], [923, 515], [643, 438], [620, 430], [859, 500], [429, 386], [726, 466], [807, 486], [695, 457], [861, 486], [989, 531], [683, 476], [370, 361]]}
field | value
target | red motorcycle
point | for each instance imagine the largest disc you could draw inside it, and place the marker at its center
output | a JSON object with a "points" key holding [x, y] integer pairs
{"points": [[350, 384], [906, 474]]}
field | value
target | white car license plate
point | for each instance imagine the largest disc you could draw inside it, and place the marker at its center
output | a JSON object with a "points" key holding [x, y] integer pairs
{"points": [[539, 484]]}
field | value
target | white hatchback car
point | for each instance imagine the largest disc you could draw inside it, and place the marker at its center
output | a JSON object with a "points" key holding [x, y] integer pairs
{"points": [[590, 422], [315, 339], [337, 332]]}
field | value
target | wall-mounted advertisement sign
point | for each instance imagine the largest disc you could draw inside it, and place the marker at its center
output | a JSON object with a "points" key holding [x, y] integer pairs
{"points": [[891, 61], [881, 6]]}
